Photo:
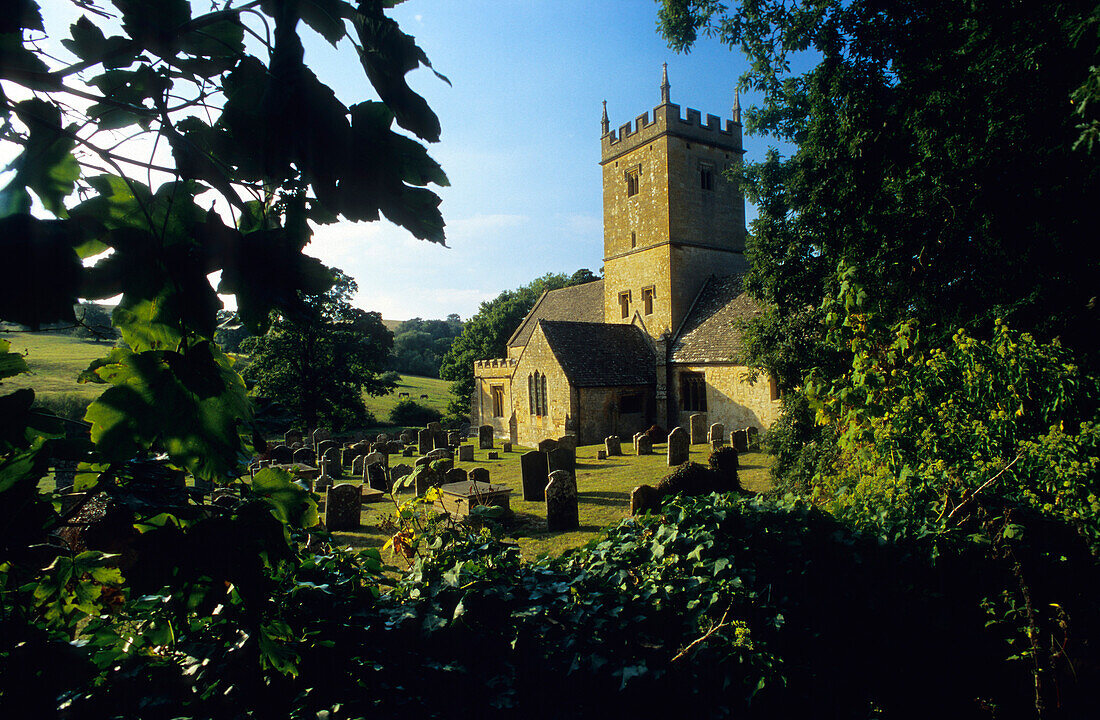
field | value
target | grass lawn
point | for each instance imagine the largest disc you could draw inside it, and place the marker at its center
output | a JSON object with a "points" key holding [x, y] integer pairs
{"points": [[604, 495], [55, 361], [438, 392]]}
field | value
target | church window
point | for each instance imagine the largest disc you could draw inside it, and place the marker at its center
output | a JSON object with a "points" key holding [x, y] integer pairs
{"points": [[693, 392], [536, 393], [624, 304], [773, 388], [632, 181], [498, 400], [647, 300], [531, 393], [545, 403], [630, 404], [706, 177]]}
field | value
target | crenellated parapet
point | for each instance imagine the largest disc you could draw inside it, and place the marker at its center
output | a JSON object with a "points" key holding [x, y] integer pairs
{"points": [[666, 119], [496, 367]]}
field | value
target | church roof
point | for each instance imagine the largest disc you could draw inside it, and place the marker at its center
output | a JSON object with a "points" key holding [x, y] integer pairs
{"points": [[601, 354], [579, 303], [713, 329]]}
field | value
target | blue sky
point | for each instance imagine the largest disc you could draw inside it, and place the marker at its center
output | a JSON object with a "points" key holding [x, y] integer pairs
{"points": [[520, 142]]}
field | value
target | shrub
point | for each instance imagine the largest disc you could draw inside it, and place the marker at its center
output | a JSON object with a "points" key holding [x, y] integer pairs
{"points": [[724, 464], [410, 414], [70, 406], [390, 376]]}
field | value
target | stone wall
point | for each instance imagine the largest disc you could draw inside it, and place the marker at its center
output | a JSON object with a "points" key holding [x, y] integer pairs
{"points": [[487, 375], [561, 397], [730, 399], [599, 413]]}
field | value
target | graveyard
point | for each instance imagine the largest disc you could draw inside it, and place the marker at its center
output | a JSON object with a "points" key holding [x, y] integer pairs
{"points": [[604, 486]]}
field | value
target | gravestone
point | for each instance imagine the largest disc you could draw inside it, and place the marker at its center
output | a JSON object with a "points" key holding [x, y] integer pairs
{"points": [[717, 445], [485, 437], [382, 438], [320, 435], [601, 454], [443, 465], [434, 427], [644, 498], [409, 451], [645, 445], [561, 502], [376, 477], [568, 441], [561, 459], [331, 468], [717, 434], [635, 441], [698, 428], [753, 435], [612, 445], [305, 456], [465, 453], [478, 474], [290, 437], [357, 466], [439, 435], [507, 447], [407, 437], [427, 478], [395, 446], [281, 454], [493, 455], [399, 472], [375, 458], [455, 475], [454, 438], [343, 503], [422, 460], [532, 466], [678, 447], [547, 445], [739, 439], [424, 441], [439, 454], [326, 445]]}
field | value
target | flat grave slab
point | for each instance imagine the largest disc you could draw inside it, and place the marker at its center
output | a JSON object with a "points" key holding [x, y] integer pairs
{"points": [[458, 498]]}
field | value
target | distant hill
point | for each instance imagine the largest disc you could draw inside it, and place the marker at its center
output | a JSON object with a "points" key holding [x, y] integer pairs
{"points": [[391, 325]]}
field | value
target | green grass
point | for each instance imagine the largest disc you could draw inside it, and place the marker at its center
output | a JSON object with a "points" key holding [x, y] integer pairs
{"points": [[55, 362], [438, 392], [604, 488]]}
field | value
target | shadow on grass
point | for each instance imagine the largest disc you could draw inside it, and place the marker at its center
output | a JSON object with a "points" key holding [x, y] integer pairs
{"points": [[603, 498]]}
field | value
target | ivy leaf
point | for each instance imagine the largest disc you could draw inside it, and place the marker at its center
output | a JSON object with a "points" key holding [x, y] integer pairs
{"points": [[46, 165], [326, 17], [87, 42], [290, 502]]}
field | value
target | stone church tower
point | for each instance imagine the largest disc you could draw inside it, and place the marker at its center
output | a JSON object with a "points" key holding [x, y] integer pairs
{"points": [[671, 219]]}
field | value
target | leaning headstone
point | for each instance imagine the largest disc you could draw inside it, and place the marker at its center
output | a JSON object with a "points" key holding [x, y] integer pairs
{"points": [[561, 502], [507, 447], [485, 437], [717, 434], [455, 475], [424, 441], [532, 466], [547, 445], [568, 441], [439, 454], [320, 435], [398, 472], [282, 454], [305, 456], [479, 474], [739, 439], [325, 445], [493, 455], [612, 445], [678, 447], [698, 428], [343, 503], [561, 459], [466, 453], [644, 498], [376, 477], [601, 454], [375, 458], [357, 466], [645, 445]]}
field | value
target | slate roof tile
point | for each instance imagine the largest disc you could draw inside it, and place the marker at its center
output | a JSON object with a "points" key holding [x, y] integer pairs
{"points": [[577, 303], [713, 330], [601, 354]]}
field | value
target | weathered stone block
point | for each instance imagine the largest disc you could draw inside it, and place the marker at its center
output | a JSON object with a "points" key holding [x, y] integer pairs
{"points": [[612, 446], [717, 434], [697, 424], [343, 503], [485, 437], [465, 453], [561, 502], [534, 474], [644, 498], [678, 447]]}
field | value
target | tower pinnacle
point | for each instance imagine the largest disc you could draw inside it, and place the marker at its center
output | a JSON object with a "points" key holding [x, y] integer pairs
{"points": [[664, 84], [736, 106], [605, 126]]}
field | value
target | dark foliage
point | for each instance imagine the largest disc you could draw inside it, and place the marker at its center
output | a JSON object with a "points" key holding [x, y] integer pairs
{"points": [[408, 413]]}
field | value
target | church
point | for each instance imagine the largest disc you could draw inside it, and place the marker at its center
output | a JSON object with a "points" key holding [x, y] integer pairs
{"points": [[659, 338]]}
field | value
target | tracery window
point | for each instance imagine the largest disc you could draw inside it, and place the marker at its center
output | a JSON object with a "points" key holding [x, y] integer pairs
{"points": [[693, 392]]}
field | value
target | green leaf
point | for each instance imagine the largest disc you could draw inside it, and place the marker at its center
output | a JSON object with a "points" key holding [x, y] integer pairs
{"points": [[290, 502], [46, 165], [11, 364]]}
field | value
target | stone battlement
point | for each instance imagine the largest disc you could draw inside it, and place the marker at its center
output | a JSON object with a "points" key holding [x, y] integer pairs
{"points": [[495, 363], [666, 119]]}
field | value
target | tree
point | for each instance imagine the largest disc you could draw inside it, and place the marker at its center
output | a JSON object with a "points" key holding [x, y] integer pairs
{"points": [[419, 345], [934, 168], [486, 334], [320, 363], [241, 150]]}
